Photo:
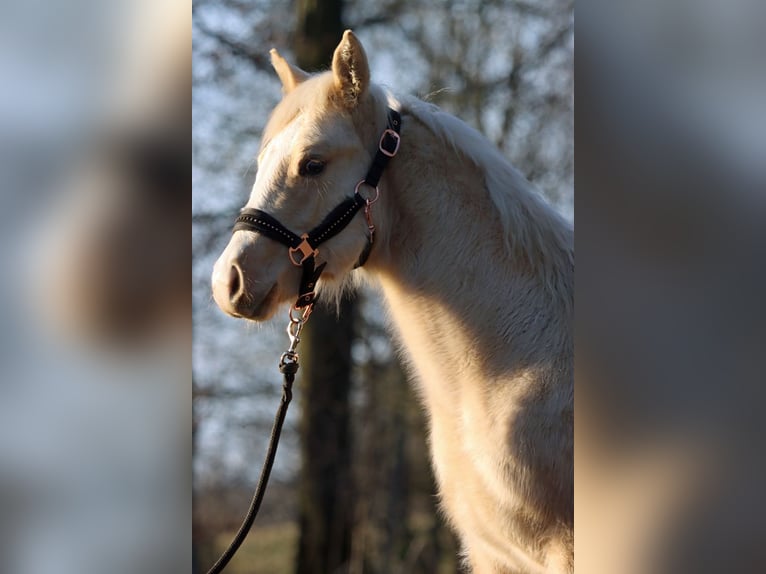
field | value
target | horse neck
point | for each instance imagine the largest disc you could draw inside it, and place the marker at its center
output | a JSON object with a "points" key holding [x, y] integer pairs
{"points": [[445, 262]]}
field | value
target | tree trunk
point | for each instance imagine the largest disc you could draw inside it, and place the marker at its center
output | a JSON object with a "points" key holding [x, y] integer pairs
{"points": [[320, 27], [326, 503]]}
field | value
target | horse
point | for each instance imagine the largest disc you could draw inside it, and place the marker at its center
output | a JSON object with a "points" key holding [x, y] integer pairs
{"points": [[478, 274]]}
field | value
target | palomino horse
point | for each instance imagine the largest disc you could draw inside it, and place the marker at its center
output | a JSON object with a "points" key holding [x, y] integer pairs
{"points": [[478, 273]]}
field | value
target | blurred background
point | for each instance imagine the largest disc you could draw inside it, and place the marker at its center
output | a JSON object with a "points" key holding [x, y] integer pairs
{"points": [[352, 489], [95, 335], [671, 274]]}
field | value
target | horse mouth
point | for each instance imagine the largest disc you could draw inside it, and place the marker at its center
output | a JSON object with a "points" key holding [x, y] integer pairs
{"points": [[261, 310]]}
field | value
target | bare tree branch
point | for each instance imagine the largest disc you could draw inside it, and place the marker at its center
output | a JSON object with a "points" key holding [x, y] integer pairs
{"points": [[235, 47]]}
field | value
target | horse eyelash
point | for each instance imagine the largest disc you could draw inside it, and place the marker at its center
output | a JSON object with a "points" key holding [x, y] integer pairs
{"points": [[323, 188]]}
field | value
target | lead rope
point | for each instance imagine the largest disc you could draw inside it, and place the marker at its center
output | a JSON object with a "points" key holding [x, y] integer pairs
{"points": [[288, 366]]}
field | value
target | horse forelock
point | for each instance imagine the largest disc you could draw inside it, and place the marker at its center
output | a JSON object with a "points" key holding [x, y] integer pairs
{"points": [[318, 97], [312, 96]]}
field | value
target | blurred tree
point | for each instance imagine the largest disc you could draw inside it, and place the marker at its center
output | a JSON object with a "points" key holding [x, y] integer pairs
{"points": [[326, 493], [318, 30], [326, 497]]}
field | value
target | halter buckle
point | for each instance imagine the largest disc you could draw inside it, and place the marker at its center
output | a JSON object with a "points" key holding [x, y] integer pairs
{"points": [[305, 250], [389, 133]]}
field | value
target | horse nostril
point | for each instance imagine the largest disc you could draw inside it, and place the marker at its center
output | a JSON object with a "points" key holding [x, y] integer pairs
{"points": [[235, 283]]}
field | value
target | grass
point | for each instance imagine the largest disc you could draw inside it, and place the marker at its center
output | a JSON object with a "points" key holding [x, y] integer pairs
{"points": [[267, 550], [271, 550]]}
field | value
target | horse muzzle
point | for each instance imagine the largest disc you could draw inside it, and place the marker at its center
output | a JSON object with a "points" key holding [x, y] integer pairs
{"points": [[238, 295]]}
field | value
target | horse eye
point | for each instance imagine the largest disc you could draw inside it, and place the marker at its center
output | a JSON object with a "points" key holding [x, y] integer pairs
{"points": [[311, 166]]}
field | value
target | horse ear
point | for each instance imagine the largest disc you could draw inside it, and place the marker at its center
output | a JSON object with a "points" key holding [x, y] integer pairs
{"points": [[289, 75], [350, 70]]}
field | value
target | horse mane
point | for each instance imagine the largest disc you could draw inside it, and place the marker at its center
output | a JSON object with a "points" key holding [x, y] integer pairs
{"points": [[532, 228]]}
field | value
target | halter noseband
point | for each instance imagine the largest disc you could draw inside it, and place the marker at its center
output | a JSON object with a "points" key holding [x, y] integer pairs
{"points": [[303, 249]]}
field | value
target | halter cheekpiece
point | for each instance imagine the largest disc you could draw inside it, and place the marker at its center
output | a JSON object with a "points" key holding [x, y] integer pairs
{"points": [[303, 249]]}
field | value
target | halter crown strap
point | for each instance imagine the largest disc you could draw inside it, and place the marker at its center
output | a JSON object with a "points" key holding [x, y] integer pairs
{"points": [[302, 249]]}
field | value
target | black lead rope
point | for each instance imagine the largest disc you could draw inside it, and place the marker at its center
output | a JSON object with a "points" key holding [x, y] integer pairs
{"points": [[302, 250], [288, 366], [260, 489]]}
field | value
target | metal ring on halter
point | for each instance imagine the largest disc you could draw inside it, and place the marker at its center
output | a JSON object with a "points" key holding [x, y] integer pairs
{"points": [[303, 314], [369, 201]]}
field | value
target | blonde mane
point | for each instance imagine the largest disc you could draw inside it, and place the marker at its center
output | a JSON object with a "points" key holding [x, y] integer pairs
{"points": [[532, 229]]}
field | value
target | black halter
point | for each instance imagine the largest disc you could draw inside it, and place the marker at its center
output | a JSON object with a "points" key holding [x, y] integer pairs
{"points": [[303, 249]]}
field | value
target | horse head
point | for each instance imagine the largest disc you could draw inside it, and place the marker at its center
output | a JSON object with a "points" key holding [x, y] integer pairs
{"points": [[314, 151]]}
